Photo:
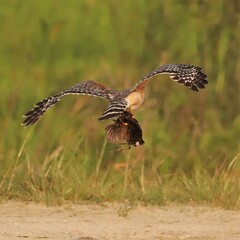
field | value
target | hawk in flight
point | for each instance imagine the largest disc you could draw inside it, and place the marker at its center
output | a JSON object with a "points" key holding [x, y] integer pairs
{"points": [[122, 103]]}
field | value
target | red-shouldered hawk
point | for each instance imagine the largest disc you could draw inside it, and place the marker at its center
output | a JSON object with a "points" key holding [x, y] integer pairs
{"points": [[122, 103]]}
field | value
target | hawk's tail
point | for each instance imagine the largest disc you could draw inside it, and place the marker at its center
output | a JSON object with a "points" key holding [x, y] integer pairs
{"points": [[115, 109]]}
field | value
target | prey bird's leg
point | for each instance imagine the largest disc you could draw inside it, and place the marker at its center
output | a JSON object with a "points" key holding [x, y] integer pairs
{"points": [[121, 148]]}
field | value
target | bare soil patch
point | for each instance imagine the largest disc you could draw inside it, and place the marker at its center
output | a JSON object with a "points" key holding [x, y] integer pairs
{"points": [[116, 221]]}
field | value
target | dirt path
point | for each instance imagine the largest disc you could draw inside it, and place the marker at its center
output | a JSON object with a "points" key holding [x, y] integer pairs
{"points": [[115, 221]]}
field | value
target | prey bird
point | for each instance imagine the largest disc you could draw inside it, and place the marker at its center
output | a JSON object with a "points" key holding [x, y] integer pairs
{"points": [[122, 103]]}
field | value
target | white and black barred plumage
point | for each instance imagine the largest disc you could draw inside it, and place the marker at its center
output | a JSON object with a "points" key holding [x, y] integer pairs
{"points": [[85, 88], [190, 75], [126, 100]]}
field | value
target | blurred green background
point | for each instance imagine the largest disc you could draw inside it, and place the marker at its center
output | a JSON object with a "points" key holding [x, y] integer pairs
{"points": [[191, 150]]}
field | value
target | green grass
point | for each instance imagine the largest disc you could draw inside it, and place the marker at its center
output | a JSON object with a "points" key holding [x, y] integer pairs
{"points": [[191, 150], [66, 174]]}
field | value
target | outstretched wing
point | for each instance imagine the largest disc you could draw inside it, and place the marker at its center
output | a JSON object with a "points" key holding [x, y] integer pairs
{"points": [[85, 88], [190, 75]]}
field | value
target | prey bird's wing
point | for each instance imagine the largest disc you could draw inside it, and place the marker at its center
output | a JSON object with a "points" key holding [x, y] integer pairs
{"points": [[85, 88], [190, 75]]}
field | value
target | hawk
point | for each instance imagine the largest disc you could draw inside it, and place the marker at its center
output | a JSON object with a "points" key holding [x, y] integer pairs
{"points": [[122, 103]]}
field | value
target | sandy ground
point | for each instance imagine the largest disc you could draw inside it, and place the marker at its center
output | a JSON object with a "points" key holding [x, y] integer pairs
{"points": [[117, 221]]}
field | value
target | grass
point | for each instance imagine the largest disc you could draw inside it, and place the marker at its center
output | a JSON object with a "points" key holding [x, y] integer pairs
{"points": [[64, 175], [191, 150]]}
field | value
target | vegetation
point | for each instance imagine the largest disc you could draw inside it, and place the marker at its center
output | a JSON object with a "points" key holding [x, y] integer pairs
{"points": [[191, 151]]}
